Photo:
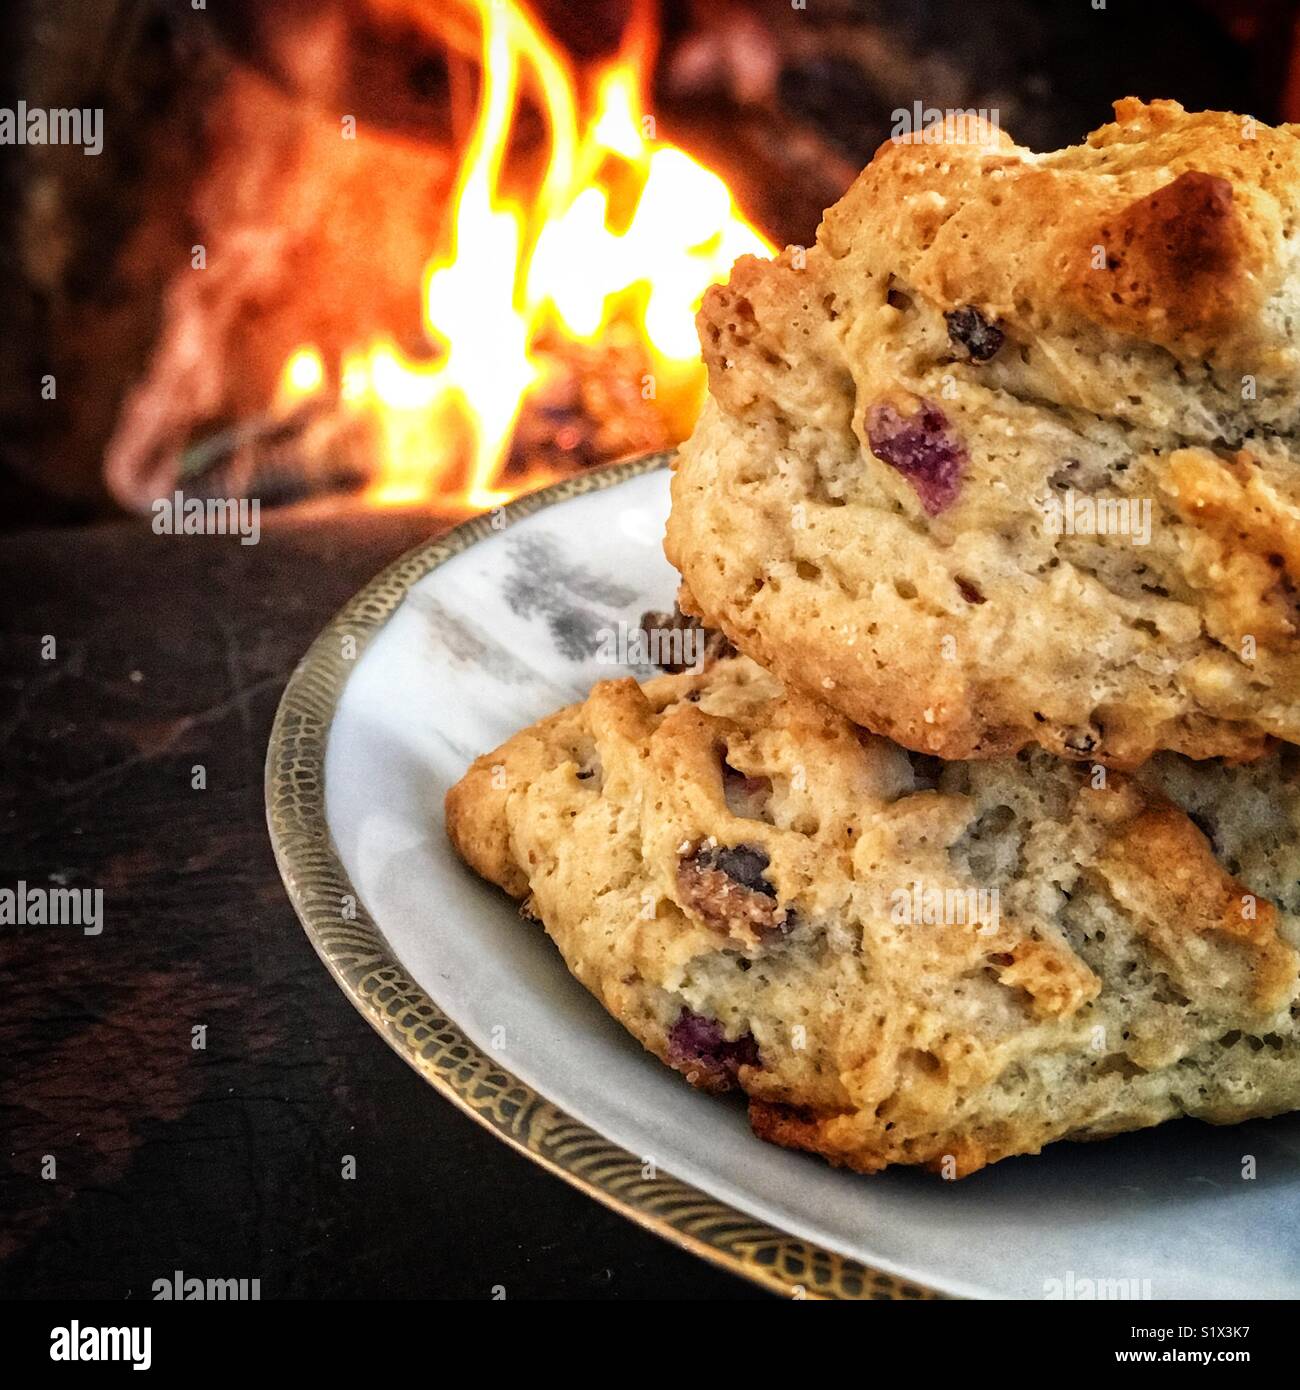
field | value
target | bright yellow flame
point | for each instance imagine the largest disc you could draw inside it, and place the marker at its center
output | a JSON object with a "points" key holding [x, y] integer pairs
{"points": [[406, 400], [616, 127], [512, 272], [303, 375], [685, 234], [469, 296]]}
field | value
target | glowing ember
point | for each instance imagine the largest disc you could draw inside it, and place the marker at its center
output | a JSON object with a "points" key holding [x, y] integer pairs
{"points": [[622, 232]]}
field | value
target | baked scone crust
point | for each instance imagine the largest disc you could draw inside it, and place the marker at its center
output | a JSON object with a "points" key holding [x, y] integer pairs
{"points": [[748, 883], [983, 342]]}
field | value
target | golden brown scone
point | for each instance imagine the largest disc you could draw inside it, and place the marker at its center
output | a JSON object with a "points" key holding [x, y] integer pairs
{"points": [[901, 961], [1009, 456]]}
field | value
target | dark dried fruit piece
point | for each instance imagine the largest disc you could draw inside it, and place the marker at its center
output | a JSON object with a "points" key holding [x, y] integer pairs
{"points": [[698, 1045], [922, 448], [969, 330], [725, 886], [743, 864], [676, 636]]}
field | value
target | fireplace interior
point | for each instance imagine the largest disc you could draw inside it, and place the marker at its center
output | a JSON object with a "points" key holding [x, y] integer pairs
{"points": [[416, 254]]}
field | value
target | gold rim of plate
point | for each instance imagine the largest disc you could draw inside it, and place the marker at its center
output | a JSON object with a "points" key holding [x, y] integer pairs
{"points": [[370, 974]]}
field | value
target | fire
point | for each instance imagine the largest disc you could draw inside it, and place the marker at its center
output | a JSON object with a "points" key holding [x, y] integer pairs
{"points": [[304, 374], [622, 231]]}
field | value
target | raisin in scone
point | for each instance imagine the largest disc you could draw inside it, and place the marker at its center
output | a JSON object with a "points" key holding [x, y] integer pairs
{"points": [[1009, 456], [901, 961]]}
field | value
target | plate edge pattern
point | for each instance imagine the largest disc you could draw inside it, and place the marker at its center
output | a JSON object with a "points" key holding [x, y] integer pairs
{"points": [[359, 957]]}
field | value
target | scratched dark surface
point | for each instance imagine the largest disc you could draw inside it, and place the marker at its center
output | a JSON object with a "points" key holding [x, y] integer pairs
{"points": [[224, 1162]]}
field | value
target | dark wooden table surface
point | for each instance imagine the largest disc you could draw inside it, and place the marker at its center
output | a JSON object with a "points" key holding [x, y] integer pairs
{"points": [[126, 1152]]}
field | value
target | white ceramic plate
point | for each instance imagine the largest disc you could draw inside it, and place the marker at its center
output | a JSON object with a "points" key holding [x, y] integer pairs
{"points": [[456, 647]]}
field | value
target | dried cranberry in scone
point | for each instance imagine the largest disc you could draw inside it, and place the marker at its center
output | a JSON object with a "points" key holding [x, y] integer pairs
{"points": [[923, 447], [698, 1048]]}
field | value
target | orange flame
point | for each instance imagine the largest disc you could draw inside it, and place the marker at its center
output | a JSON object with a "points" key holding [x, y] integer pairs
{"points": [[566, 263]]}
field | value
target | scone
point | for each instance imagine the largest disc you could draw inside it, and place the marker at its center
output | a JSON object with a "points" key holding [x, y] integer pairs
{"points": [[1009, 456], [901, 961]]}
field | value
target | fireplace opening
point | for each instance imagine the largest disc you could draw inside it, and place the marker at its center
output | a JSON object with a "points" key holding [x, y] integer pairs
{"points": [[406, 254]]}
